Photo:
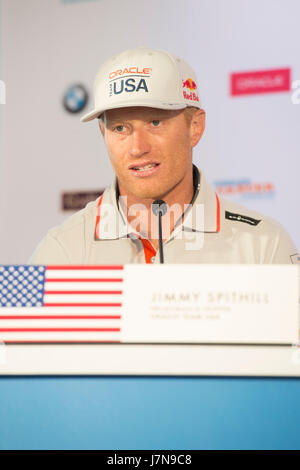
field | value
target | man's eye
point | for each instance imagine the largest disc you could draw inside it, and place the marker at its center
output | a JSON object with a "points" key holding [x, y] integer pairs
{"points": [[119, 128], [156, 122]]}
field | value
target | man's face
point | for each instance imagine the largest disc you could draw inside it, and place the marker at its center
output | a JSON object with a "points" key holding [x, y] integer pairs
{"points": [[150, 150]]}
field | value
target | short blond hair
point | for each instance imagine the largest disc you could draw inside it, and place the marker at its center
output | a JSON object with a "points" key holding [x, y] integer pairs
{"points": [[189, 113]]}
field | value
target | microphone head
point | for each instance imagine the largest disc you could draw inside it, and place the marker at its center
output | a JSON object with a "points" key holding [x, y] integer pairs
{"points": [[159, 206]]}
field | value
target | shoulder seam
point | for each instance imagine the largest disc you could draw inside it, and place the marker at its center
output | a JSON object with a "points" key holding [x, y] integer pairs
{"points": [[61, 246]]}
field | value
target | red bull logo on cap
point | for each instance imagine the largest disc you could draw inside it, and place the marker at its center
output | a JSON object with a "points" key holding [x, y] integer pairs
{"points": [[191, 85]]}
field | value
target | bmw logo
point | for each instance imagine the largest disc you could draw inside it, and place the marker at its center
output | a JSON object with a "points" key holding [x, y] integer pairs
{"points": [[75, 99]]}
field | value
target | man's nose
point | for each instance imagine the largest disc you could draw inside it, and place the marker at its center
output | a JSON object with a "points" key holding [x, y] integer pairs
{"points": [[139, 144]]}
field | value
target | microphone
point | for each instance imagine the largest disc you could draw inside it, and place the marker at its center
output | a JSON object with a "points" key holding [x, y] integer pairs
{"points": [[159, 207]]}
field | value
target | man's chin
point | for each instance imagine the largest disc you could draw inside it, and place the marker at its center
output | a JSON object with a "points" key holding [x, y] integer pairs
{"points": [[148, 192], [147, 195], [145, 190]]}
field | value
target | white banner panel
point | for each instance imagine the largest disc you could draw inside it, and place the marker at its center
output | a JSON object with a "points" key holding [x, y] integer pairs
{"points": [[128, 359]]}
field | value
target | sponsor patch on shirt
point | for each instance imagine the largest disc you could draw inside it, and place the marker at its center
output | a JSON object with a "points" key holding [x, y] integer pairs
{"points": [[241, 218], [295, 259]]}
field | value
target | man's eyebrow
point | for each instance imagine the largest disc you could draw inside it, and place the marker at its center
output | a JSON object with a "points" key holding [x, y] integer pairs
{"points": [[111, 121], [159, 114]]}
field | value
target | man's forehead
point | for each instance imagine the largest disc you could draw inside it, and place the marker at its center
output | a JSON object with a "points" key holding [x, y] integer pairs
{"points": [[139, 112]]}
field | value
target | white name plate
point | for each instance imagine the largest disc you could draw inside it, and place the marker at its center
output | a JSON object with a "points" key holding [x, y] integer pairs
{"points": [[252, 304]]}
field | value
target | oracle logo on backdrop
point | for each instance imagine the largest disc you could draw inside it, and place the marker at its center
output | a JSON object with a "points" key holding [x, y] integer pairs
{"points": [[245, 188], [260, 81]]}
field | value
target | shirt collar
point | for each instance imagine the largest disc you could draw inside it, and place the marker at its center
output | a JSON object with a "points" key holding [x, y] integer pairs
{"points": [[111, 222], [203, 215]]}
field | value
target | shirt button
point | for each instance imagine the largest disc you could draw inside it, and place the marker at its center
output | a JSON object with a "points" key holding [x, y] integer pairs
{"points": [[153, 259]]}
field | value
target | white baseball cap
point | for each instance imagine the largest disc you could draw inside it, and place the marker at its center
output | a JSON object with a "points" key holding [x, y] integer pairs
{"points": [[144, 77]]}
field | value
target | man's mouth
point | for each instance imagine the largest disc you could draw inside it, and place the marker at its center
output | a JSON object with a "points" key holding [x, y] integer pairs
{"points": [[144, 168]]}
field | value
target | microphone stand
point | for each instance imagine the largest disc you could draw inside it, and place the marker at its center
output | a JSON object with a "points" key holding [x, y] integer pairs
{"points": [[159, 207]]}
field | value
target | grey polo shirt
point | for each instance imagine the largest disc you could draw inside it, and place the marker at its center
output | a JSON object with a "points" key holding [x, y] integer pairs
{"points": [[213, 230]]}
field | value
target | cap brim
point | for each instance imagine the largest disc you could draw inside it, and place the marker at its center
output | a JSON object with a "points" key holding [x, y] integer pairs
{"points": [[153, 104]]}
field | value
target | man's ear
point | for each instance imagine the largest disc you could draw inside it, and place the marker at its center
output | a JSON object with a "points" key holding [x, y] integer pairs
{"points": [[197, 126], [101, 126]]}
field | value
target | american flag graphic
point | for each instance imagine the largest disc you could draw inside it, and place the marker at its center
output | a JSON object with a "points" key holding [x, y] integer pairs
{"points": [[60, 304]]}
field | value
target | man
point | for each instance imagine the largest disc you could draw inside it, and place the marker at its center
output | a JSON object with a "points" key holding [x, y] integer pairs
{"points": [[150, 116]]}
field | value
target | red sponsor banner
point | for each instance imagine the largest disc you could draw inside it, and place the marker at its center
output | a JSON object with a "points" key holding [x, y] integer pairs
{"points": [[260, 81]]}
